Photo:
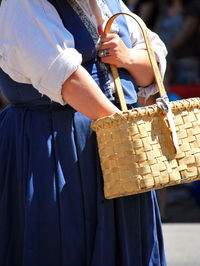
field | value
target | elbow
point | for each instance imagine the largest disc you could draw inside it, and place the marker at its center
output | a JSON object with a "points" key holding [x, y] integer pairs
{"points": [[145, 81]]}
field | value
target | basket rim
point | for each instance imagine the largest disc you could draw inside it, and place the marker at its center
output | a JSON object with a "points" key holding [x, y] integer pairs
{"points": [[149, 111]]}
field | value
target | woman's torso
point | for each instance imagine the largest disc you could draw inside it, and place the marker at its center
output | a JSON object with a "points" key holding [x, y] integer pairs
{"points": [[85, 37]]}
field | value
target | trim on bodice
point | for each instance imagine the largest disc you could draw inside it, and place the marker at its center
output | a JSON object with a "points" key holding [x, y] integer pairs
{"points": [[93, 32], [90, 27]]}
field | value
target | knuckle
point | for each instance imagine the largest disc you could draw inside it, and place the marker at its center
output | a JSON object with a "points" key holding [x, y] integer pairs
{"points": [[115, 43]]}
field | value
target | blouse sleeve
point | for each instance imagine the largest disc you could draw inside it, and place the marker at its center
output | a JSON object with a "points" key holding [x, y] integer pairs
{"points": [[138, 43], [35, 47]]}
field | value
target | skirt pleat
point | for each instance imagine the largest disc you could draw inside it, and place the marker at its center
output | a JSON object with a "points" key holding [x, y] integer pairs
{"points": [[52, 208]]}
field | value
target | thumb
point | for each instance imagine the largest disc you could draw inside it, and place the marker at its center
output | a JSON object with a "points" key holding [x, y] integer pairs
{"points": [[100, 30]]}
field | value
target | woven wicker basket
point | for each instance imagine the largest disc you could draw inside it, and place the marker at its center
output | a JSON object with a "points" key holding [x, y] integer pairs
{"points": [[136, 150]]}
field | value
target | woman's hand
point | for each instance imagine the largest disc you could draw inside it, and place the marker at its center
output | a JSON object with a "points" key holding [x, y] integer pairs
{"points": [[136, 61], [113, 51]]}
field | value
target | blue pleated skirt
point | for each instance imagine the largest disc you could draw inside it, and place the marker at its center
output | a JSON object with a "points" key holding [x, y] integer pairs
{"points": [[52, 208]]}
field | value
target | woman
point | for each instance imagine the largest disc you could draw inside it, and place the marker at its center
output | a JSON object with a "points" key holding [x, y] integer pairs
{"points": [[147, 9], [178, 27], [55, 74]]}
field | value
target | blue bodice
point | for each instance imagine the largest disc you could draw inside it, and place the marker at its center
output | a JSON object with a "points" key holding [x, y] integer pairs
{"points": [[85, 38]]}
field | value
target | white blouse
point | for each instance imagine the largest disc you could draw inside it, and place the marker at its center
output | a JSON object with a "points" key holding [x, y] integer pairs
{"points": [[36, 48]]}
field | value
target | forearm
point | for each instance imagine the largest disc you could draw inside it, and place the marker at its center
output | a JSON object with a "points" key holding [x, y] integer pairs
{"points": [[139, 67], [83, 94]]}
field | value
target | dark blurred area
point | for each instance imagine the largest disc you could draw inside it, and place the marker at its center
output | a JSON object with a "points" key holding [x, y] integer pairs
{"points": [[177, 22], [3, 101]]}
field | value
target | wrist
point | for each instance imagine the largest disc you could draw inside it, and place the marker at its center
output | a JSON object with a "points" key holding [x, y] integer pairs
{"points": [[129, 59]]}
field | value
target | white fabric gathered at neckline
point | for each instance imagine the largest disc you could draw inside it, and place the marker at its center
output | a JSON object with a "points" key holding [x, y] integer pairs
{"points": [[97, 11]]}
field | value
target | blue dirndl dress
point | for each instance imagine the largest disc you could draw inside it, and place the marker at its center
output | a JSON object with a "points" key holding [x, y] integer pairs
{"points": [[52, 208]]}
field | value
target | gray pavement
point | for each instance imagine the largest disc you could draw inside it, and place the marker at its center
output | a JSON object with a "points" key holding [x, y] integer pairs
{"points": [[182, 244]]}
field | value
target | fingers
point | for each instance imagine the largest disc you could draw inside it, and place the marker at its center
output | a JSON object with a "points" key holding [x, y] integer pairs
{"points": [[108, 37], [112, 49], [108, 44], [107, 60], [109, 41], [104, 53]]}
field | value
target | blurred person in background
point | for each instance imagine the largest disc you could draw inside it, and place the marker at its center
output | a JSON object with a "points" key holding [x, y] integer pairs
{"points": [[131, 4], [178, 26], [146, 9]]}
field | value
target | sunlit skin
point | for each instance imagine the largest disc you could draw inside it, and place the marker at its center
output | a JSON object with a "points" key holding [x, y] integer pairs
{"points": [[135, 61], [82, 92]]}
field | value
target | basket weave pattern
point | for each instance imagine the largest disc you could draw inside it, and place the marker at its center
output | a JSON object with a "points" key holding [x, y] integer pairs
{"points": [[137, 153]]}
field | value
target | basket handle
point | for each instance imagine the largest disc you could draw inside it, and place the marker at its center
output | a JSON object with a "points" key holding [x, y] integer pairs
{"points": [[151, 54]]}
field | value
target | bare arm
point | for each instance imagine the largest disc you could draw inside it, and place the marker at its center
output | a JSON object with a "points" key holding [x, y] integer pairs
{"points": [[83, 94], [140, 68]]}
